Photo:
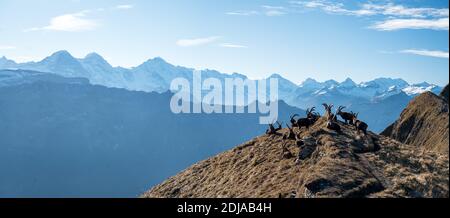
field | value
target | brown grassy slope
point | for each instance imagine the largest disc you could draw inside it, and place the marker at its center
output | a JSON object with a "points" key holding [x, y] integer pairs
{"points": [[344, 165], [423, 123]]}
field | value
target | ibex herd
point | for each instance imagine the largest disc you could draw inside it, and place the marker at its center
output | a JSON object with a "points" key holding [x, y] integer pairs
{"points": [[332, 123], [350, 118]]}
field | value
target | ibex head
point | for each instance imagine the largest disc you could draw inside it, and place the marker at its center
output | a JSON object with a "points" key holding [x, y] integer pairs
{"points": [[339, 110], [328, 109], [293, 116], [355, 116]]}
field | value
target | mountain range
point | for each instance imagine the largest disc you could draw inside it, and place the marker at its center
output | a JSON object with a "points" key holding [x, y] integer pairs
{"points": [[64, 137], [72, 127], [382, 98]]}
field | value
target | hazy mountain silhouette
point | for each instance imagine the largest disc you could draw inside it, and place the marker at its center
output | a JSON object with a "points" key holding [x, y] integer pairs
{"points": [[63, 137]]}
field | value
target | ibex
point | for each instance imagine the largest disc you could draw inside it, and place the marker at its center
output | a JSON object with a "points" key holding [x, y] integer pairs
{"points": [[332, 124], [293, 121], [290, 134], [347, 117], [305, 122], [359, 125], [272, 129], [328, 112], [311, 114]]}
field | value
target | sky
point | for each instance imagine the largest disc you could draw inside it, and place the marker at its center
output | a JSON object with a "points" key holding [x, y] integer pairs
{"points": [[320, 39]]}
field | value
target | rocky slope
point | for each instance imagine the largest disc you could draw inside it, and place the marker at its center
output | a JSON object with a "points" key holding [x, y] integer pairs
{"points": [[330, 165], [423, 123]]}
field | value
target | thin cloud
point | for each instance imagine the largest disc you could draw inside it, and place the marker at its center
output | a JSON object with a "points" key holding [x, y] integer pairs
{"points": [[397, 24], [7, 47], [242, 13], [398, 16], [76, 22], [272, 13], [230, 45], [402, 11], [124, 7], [429, 53], [369, 9], [266, 10], [197, 41]]}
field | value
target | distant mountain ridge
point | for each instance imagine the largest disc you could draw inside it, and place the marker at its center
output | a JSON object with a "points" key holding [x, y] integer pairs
{"points": [[156, 75]]}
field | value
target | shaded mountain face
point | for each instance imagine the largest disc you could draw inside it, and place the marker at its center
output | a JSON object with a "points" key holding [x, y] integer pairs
{"points": [[63, 137], [329, 165], [381, 113], [445, 93], [423, 123]]}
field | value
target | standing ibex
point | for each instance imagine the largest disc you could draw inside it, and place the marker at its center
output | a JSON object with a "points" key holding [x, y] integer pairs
{"points": [[347, 117], [272, 129], [359, 125], [328, 113], [305, 122]]}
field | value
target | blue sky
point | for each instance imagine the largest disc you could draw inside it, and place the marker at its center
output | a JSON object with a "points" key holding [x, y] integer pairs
{"points": [[322, 39]]}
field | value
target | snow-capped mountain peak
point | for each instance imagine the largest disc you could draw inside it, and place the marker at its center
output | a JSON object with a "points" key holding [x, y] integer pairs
{"points": [[156, 74]]}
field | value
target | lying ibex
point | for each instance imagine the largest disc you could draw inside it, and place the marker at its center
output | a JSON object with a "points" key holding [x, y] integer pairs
{"points": [[359, 125], [332, 124], [347, 117], [272, 129], [291, 134]]}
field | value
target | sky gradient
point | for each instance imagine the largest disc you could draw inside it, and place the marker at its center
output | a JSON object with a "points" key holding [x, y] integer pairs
{"points": [[320, 39]]}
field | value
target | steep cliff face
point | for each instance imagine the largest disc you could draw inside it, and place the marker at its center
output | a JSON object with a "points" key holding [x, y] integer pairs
{"points": [[327, 165], [445, 93], [423, 123]]}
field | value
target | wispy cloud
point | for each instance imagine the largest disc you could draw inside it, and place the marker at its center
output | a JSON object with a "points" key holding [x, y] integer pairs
{"points": [[266, 10], [7, 47], [429, 53], [242, 13], [76, 22], [124, 7], [402, 11], [397, 24], [396, 16], [273, 10], [368, 9], [231, 45], [197, 41]]}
